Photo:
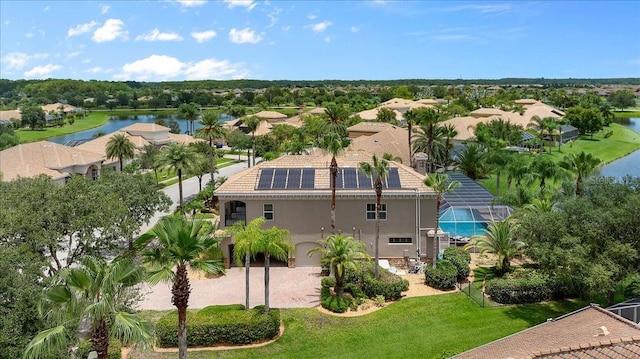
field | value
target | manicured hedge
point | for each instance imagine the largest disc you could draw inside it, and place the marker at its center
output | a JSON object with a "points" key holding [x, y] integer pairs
{"points": [[460, 259], [219, 326], [114, 352], [443, 276], [531, 287], [389, 285]]}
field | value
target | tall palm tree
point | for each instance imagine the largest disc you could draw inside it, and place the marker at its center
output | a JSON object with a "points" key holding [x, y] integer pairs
{"points": [[545, 168], [92, 293], [190, 112], [252, 123], [497, 161], [181, 159], [121, 148], [411, 117], [518, 170], [340, 253], [582, 165], [378, 169], [438, 181], [429, 138], [245, 239], [181, 244], [336, 115], [472, 160], [448, 132], [274, 242], [499, 239], [334, 144], [149, 158], [211, 128]]}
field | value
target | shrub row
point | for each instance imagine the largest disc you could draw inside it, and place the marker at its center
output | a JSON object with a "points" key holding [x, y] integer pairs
{"points": [[213, 326], [518, 289], [389, 285], [443, 276], [460, 259], [114, 352]]}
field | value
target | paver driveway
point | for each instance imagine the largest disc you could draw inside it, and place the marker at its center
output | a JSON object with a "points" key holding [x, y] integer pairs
{"points": [[288, 287]]}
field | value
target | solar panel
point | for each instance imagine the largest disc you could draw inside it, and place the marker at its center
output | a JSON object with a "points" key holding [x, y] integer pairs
{"points": [[265, 178], [338, 178], [293, 181], [279, 179], [364, 181], [350, 178], [308, 178], [393, 181]]}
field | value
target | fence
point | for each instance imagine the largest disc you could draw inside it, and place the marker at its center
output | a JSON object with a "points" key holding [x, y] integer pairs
{"points": [[475, 292]]}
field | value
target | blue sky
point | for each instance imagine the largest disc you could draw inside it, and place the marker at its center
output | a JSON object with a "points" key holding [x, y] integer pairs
{"points": [[316, 40]]}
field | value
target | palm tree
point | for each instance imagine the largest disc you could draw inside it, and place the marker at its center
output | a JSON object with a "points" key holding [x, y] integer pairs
{"points": [[340, 253], [252, 123], [149, 158], [497, 161], [190, 112], [276, 243], [518, 170], [379, 169], [438, 181], [93, 293], [181, 244], [411, 117], [121, 148], [336, 115], [539, 205], [211, 128], [448, 132], [245, 239], [429, 138], [582, 165], [389, 157], [334, 144], [499, 239], [545, 168], [179, 158], [472, 160]]}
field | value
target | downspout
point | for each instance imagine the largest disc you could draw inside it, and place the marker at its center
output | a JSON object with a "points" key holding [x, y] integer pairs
{"points": [[417, 224]]}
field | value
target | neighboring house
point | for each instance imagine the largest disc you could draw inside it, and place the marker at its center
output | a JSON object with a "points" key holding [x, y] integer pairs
{"points": [[294, 192], [590, 332], [48, 158], [388, 138], [629, 309]]}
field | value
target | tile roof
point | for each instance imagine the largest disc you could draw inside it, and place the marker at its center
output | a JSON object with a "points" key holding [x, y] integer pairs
{"points": [[43, 157], [373, 127], [270, 115], [576, 334], [373, 114], [393, 140], [244, 183]]}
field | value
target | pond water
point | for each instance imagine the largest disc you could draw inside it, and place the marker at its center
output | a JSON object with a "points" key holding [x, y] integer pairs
{"points": [[628, 165], [115, 123]]}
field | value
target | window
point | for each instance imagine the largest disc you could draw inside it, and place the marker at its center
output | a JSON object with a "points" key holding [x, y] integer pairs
{"points": [[94, 174], [399, 240], [371, 211], [267, 211]]}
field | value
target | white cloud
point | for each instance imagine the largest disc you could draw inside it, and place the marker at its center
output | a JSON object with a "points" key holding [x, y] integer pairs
{"points": [[328, 39], [95, 70], [28, 35], [46, 8], [111, 30], [74, 54], [156, 35], [191, 3], [273, 17], [287, 28], [248, 4], [311, 16], [355, 29], [104, 8], [321, 26], [203, 36], [18, 60], [42, 71], [81, 29], [244, 36], [162, 67]]}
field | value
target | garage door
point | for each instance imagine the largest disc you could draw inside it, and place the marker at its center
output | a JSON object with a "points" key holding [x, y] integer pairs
{"points": [[302, 259]]}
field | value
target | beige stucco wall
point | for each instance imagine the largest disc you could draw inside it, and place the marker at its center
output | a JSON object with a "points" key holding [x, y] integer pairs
{"points": [[306, 218]]}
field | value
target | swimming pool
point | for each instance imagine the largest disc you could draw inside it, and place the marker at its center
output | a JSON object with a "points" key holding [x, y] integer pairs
{"points": [[464, 222]]}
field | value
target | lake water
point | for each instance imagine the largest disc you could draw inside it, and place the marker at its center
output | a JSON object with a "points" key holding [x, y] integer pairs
{"points": [[115, 123], [628, 165]]}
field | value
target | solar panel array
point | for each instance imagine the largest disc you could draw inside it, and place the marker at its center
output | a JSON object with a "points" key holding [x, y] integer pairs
{"points": [[286, 178], [351, 178]]}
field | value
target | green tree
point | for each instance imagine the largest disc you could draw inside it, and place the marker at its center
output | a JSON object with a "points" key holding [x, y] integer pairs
{"points": [[378, 170], [448, 132], [33, 115], [472, 161], [582, 165], [95, 293], [440, 183], [190, 112], [429, 138], [274, 242], [121, 148], [149, 159], [587, 120], [622, 99], [211, 129], [386, 115], [252, 123], [334, 144], [179, 158], [340, 253], [181, 244], [545, 168], [497, 160], [500, 239], [245, 244]]}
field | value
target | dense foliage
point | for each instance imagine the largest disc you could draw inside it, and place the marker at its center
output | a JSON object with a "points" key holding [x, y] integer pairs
{"points": [[520, 287], [461, 259], [388, 285], [443, 276], [221, 325]]}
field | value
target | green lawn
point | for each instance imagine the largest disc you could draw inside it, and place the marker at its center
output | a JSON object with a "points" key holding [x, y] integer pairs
{"points": [[425, 327], [91, 121]]}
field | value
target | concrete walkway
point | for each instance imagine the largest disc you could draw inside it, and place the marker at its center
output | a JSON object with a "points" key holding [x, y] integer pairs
{"points": [[289, 288]]}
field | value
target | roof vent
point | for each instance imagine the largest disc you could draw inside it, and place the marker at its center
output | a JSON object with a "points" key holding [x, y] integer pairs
{"points": [[603, 332]]}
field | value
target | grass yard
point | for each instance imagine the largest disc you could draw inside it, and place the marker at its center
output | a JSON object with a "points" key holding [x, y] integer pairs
{"points": [[425, 327], [91, 121]]}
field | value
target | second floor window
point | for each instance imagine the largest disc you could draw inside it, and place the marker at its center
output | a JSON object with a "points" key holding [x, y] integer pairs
{"points": [[371, 211]]}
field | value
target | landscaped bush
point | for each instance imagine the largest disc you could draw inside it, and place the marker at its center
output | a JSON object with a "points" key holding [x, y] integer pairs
{"points": [[633, 289], [520, 287], [356, 292], [443, 276], [389, 285], [334, 303], [218, 326], [114, 352], [460, 259]]}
